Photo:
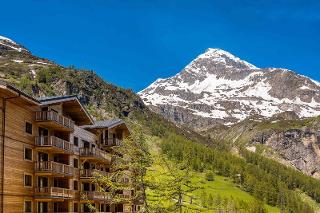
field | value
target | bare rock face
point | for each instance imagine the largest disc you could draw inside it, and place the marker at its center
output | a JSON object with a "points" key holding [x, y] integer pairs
{"points": [[299, 148], [218, 87]]}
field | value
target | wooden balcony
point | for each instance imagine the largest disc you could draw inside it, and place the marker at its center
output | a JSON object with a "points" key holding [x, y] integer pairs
{"points": [[124, 196], [53, 193], [109, 142], [95, 195], [50, 168], [52, 119], [89, 173], [95, 155], [53, 144]]}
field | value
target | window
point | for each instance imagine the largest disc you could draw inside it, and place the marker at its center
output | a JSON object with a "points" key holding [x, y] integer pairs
{"points": [[28, 180], [75, 163], [28, 128], [75, 207], [86, 186], [76, 141], [27, 206], [42, 206], [27, 154], [75, 185]]}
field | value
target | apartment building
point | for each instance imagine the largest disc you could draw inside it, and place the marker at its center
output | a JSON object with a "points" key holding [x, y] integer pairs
{"points": [[49, 150]]}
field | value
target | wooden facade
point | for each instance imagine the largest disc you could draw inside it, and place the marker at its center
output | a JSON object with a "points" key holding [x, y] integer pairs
{"points": [[47, 158]]}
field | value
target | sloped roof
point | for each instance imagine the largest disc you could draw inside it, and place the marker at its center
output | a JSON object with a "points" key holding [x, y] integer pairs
{"points": [[104, 124], [12, 90], [72, 106], [55, 99]]}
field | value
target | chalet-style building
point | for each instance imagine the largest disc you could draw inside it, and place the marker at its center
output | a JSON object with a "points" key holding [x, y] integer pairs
{"points": [[49, 150]]}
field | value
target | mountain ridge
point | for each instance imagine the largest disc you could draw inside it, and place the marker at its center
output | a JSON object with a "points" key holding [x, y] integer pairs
{"points": [[218, 87]]}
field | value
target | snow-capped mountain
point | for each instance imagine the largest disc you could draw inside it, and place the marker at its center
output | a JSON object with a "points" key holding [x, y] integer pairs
{"points": [[8, 44], [218, 87]]}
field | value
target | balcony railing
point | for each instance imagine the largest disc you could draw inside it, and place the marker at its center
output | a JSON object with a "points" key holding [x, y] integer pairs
{"points": [[112, 142], [55, 117], [95, 153], [54, 167], [54, 192], [52, 141], [89, 173], [95, 195], [124, 196]]}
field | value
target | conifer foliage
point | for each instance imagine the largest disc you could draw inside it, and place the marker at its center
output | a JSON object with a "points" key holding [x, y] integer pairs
{"points": [[172, 189], [265, 179], [127, 182]]}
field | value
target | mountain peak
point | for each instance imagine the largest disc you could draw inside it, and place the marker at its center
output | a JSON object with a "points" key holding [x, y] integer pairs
{"points": [[223, 57], [5, 38], [10, 45], [218, 87]]}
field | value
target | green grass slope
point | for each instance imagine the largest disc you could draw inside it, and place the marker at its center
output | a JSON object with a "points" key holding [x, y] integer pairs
{"points": [[217, 193]]}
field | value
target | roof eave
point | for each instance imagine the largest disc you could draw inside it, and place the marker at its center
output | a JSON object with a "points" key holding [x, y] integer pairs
{"points": [[19, 93]]}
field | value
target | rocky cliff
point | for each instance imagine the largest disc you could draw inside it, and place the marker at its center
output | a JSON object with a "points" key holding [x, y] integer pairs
{"points": [[297, 147], [284, 137]]}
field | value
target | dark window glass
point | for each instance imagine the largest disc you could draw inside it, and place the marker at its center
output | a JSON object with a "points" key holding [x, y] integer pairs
{"points": [[27, 180], [27, 206], [75, 185], [75, 207], [86, 186], [75, 163], [27, 154], [76, 141], [29, 128]]}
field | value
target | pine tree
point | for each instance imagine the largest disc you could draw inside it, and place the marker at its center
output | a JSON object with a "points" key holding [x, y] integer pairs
{"points": [[130, 162]]}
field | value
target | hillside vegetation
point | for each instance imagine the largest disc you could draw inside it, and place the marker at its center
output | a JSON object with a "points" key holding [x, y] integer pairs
{"points": [[212, 192]]}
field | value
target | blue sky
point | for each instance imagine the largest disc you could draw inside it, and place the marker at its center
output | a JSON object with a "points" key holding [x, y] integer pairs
{"points": [[132, 43]]}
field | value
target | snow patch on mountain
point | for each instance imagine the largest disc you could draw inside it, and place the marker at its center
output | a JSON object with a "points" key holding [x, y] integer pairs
{"points": [[5, 38], [4, 41], [219, 55], [220, 86]]}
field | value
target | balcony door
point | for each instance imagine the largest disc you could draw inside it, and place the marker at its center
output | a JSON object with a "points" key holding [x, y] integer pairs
{"points": [[43, 182], [43, 132], [119, 207], [101, 138], [106, 136], [43, 156], [114, 137], [42, 207], [86, 186], [86, 144], [86, 165], [105, 208]]}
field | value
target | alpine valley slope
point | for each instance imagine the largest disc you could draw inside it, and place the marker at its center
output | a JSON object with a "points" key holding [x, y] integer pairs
{"points": [[218, 87]]}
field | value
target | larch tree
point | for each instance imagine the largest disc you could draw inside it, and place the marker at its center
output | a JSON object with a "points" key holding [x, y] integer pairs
{"points": [[130, 162]]}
